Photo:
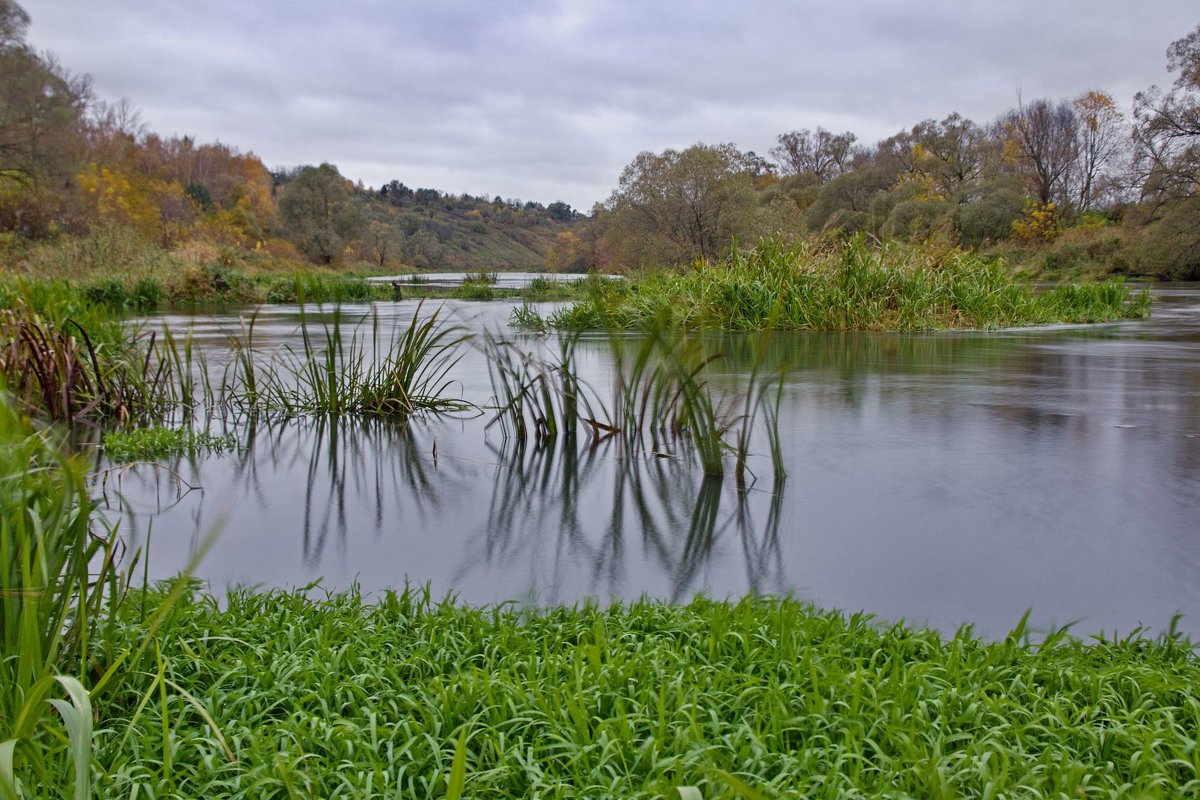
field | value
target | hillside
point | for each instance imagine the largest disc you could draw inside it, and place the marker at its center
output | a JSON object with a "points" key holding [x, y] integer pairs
{"points": [[427, 229]]}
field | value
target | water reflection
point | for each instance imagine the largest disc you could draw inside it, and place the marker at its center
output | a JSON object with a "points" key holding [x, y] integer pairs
{"points": [[574, 519], [660, 512]]}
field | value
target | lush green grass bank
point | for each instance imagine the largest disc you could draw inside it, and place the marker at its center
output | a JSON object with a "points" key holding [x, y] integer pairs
{"points": [[278, 696], [848, 286]]}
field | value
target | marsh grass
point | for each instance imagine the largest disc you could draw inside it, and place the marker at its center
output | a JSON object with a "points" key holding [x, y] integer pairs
{"points": [[847, 286], [60, 371], [662, 398], [330, 696], [540, 398], [340, 368]]}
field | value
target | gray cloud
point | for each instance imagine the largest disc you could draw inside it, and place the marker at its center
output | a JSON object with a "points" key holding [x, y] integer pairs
{"points": [[550, 99]]}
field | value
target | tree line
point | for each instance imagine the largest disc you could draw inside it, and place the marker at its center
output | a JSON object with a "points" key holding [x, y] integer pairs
{"points": [[1041, 169], [1120, 184], [70, 162]]}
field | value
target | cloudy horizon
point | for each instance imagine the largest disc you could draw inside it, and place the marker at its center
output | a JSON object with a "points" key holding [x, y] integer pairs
{"points": [[549, 100]]}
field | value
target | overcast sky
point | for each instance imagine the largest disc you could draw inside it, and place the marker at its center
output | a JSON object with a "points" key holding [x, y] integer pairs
{"points": [[549, 99]]}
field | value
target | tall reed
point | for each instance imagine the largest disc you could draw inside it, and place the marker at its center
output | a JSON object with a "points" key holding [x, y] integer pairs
{"points": [[661, 398], [57, 575], [540, 398], [61, 371]]}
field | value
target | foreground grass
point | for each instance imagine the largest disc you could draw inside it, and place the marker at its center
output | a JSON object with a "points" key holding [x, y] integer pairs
{"points": [[848, 286], [272, 695]]}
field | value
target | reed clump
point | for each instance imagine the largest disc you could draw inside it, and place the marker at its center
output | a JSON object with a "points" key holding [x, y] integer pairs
{"points": [[851, 285], [340, 368], [59, 370], [663, 398]]}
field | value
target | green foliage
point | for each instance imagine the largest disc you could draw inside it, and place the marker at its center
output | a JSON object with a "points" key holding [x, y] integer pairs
{"points": [[212, 283], [143, 444], [989, 218], [312, 287], [849, 286], [762, 697], [144, 295], [678, 206], [56, 583], [147, 293], [320, 213]]}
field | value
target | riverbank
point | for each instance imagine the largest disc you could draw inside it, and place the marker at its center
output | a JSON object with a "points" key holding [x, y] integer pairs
{"points": [[279, 694], [851, 285]]}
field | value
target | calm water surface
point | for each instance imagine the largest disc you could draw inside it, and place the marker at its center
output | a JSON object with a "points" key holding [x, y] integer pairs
{"points": [[942, 478]]}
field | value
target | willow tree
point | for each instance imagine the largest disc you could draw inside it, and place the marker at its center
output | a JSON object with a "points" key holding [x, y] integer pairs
{"points": [[320, 213], [681, 205]]}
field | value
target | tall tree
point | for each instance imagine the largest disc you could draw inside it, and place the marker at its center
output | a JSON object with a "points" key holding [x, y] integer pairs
{"points": [[821, 154], [1042, 137], [1167, 126], [41, 113], [41, 108], [683, 204], [1102, 134], [952, 154], [320, 214], [1167, 138]]}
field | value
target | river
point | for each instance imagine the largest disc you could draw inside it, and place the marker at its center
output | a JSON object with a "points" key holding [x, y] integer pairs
{"points": [[942, 478]]}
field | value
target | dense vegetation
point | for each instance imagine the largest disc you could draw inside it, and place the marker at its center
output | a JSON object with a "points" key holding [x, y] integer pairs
{"points": [[844, 286], [1059, 187]]}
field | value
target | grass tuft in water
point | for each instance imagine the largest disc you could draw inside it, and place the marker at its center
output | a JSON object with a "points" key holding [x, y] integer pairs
{"points": [[662, 398], [144, 444], [341, 369], [852, 285]]}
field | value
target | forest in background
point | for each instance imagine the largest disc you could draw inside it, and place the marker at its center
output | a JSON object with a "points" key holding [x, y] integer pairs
{"points": [[1056, 186]]}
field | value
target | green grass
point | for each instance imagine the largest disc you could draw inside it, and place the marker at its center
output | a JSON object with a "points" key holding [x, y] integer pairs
{"points": [[847, 286], [58, 586], [62, 586], [343, 368], [272, 695], [144, 444]]}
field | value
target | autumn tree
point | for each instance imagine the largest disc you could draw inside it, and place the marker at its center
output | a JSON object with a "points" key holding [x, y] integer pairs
{"points": [[1101, 137], [680, 205], [41, 108], [319, 213], [953, 154], [1167, 125], [1167, 138], [1041, 138], [821, 154]]}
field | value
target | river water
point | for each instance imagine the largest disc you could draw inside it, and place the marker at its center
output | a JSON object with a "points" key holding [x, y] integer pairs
{"points": [[943, 478]]}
